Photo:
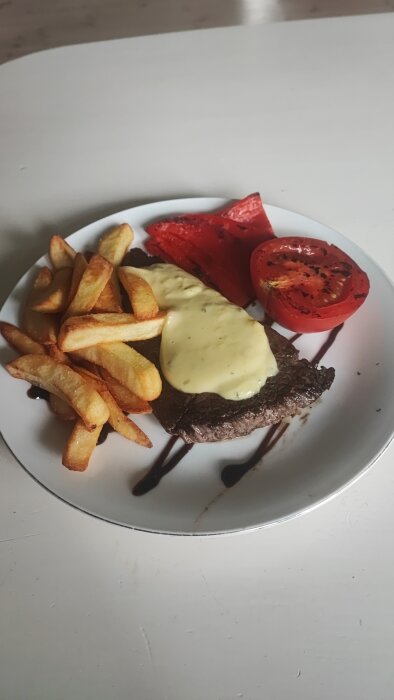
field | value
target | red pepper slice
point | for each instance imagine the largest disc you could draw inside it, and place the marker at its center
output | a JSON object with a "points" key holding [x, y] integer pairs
{"points": [[209, 252], [216, 247]]}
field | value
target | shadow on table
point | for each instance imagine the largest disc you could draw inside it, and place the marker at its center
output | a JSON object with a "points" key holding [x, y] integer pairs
{"points": [[22, 250]]}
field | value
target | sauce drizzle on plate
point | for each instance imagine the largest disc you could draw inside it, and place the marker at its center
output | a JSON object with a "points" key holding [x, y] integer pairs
{"points": [[159, 468], [35, 392], [231, 473]]}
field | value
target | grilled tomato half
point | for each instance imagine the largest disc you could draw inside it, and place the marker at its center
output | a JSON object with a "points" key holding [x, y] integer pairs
{"points": [[305, 284]]}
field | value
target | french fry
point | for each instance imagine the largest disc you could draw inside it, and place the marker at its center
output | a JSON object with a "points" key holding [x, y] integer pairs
{"points": [[61, 408], [124, 425], [126, 400], [21, 342], [75, 288], [140, 293], [94, 329], [61, 254], [57, 354], [84, 364], [117, 419], [93, 377], [43, 280], [126, 365], [41, 327], [63, 381], [53, 298], [110, 300], [114, 245], [91, 284], [80, 446], [79, 268], [80, 362]]}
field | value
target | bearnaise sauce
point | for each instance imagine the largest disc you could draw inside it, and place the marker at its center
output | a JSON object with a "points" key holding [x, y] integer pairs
{"points": [[208, 344]]}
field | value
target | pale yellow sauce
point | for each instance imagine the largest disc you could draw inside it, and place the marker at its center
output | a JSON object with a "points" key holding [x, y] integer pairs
{"points": [[208, 344]]}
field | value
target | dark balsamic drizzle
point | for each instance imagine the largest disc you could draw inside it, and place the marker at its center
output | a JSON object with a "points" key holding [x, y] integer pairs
{"points": [[159, 468], [105, 431], [295, 337], [35, 392], [326, 346], [232, 473]]}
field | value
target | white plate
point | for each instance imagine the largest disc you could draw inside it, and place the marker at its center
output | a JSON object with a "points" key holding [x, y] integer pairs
{"points": [[346, 430]]}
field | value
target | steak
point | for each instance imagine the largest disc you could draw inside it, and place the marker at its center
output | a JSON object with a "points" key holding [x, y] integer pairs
{"points": [[208, 417]]}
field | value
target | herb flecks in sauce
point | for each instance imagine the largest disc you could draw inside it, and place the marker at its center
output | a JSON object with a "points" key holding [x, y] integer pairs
{"points": [[208, 344]]}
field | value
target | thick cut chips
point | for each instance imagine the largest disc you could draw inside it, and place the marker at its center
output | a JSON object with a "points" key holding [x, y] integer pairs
{"points": [[61, 253], [115, 243], [126, 365], [140, 294], [80, 446], [21, 342], [117, 419], [53, 299], [126, 400], [63, 381], [94, 329], [41, 327], [91, 284]]}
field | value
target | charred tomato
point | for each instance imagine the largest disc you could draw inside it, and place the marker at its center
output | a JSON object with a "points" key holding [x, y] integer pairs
{"points": [[307, 285]]}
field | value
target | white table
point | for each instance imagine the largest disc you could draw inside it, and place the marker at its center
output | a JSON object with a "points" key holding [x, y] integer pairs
{"points": [[302, 112]]}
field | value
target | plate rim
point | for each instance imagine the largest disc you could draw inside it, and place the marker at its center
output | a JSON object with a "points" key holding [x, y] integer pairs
{"points": [[221, 200], [216, 202], [214, 533]]}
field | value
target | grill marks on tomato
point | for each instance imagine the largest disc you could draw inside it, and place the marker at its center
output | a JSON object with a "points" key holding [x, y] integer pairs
{"points": [[301, 280], [307, 285]]}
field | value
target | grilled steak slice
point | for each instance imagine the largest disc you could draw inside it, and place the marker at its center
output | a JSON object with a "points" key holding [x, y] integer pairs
{"points": [[208, 417]]}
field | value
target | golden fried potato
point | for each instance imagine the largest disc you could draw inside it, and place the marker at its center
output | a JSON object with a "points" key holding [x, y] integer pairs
{"points": [[53, 298], [85, 364], [42, 280], [21, 342], [124, 425], [93, 376], [140, 293], [92, 283], [110, 300], [79, 268], [126, 365], [113, 246], [57, 354], [94, 329], [126, 400], [63, 381], [61, 254], [61, 408], [115, 243], [117, 419], [80, 446], [41, 327]]}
